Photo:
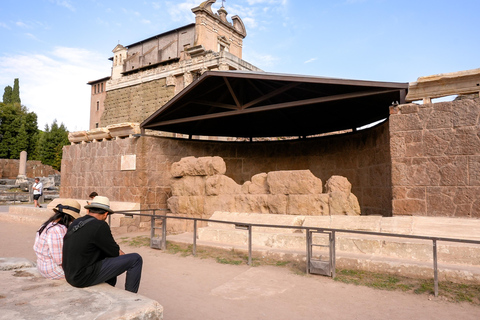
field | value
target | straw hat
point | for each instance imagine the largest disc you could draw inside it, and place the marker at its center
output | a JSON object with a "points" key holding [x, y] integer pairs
{"points": [[70, 207], [100, 202]]}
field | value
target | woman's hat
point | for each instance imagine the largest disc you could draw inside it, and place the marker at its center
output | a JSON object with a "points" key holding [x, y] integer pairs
{"points": [[70, 207], [100, 202]]}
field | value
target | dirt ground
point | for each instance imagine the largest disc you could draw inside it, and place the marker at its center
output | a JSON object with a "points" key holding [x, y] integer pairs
{"points": [[192, 288]]}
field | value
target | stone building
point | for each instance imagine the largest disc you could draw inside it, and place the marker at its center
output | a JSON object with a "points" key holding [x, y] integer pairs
{"points": [[420, 159], [148, 73]]}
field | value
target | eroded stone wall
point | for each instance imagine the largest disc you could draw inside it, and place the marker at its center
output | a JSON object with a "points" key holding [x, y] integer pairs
{"points": [[361, 157], [200, 188], [9, 169], [135, 103], [436, 159]]}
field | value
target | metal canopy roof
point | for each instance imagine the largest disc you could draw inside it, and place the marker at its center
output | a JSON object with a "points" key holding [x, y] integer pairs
{"points": [[259, 104]]}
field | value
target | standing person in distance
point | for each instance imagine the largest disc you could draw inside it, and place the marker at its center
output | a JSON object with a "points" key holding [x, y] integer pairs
{"points": [[91, 196], [49, 239], [91, 255], [37, 192]]}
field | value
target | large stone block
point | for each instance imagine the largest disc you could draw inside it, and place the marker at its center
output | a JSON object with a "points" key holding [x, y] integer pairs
{"points": [[465, 113], [222, 202], [221, 184], [343, 204], [338, 183], [252, 203], [278, 203], [293, 182], [258, 184], [309, 205], [204, 166], [409, 207], [192, 205], [189, 186], [465, 142]]}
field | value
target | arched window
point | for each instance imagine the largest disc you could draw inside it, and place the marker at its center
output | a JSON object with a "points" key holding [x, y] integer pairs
{"points": [[98, 105]]}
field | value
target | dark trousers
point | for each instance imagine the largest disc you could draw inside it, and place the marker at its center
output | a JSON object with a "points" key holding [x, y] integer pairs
{"points": [[113, 267]]}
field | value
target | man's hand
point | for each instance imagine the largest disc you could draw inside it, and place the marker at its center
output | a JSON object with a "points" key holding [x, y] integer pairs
{"points": [[121, 253]]}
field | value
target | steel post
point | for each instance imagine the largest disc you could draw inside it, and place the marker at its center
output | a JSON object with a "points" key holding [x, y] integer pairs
{"points": [[164, 233], [249, 245], [195, 237], [435, 269]]}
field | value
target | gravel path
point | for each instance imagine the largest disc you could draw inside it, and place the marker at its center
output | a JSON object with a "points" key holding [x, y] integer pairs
{"points": [[192, 288]]}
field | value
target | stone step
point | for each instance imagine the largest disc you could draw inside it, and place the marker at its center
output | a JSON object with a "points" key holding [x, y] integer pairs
{"points": [[27, 214], [27, 295]]}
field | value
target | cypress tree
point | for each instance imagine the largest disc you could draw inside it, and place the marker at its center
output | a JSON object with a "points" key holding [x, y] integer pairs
{"points": [[16, 92], [7, 95]]}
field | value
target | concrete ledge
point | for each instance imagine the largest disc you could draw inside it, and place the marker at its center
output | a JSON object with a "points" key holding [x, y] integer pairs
{"points": [[25, 294], [459, 228], [27, 214]]}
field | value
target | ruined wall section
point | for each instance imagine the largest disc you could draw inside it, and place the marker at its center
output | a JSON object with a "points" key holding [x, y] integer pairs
{"points": [[135, 103], [9, 169], [361, 157], [436, 159]]}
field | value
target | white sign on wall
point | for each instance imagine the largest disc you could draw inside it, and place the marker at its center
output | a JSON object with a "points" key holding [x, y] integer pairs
{"points": [[129, 162]]}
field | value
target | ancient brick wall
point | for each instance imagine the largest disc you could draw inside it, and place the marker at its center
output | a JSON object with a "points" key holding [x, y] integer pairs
{"points": [[435, 152], [362, 157], [135, 103], [9, 169]]}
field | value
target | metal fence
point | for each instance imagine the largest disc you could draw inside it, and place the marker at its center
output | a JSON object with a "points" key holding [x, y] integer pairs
{"points": [[332, 233]]}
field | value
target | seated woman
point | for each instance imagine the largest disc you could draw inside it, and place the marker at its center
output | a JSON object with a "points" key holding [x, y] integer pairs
{"points": [[49, 239]]}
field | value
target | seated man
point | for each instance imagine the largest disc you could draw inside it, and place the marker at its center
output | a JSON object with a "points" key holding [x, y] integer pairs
{"points": [[91, 255]]}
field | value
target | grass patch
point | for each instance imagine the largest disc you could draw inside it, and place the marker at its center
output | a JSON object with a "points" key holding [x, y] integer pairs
{"points": [[140, 241], [448, 290]]}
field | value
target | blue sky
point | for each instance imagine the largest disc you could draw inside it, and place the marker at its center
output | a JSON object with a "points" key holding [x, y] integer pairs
{"points": [[56, 46]]}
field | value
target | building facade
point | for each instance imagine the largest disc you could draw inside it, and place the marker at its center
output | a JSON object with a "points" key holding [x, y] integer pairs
{"points": [[147, 74]]}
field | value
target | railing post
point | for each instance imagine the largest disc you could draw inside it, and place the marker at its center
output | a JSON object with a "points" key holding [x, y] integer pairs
{"points": [[333, 257], [152, 225], [435, 269], [309, 248], [195, 237], [249, 245], [164, 233]]}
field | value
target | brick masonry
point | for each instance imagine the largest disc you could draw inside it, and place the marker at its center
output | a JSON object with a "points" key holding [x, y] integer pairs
{"points": [[435, 152], [135, 103], [362, 157]]}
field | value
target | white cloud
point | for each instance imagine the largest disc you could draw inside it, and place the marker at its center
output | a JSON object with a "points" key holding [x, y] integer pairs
{"points": [[272, 2], [182, 11], [156, 5], [21, 24], [53, 85], [64, 3], [4, 25], [145, 21], [263, 61], [31, 36], [310, 60]]}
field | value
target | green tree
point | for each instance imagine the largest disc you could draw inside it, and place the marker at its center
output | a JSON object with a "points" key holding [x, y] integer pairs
{"points": [[18, 127], [15, 98], [51, 144], [7, 95]]}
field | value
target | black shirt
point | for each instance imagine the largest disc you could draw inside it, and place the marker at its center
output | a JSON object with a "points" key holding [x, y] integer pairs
{"points": [[84, 250]]}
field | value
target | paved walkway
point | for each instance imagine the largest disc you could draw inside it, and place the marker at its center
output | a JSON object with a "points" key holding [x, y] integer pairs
{"points": [[192, 288]]}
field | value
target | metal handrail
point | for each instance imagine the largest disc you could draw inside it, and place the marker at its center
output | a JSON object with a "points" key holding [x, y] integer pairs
{"points": [[249, 227]]}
